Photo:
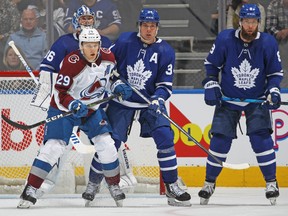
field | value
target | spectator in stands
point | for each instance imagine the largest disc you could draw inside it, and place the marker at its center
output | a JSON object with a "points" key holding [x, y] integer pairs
{"points": [[277, 25], [11, 61], [108, 19], [30, 39], [233, 14], [58, 18], [10, 22], [23, 4]]}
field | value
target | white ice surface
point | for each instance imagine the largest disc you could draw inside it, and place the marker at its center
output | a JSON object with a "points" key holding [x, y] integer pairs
{"points": [[224, 202]]}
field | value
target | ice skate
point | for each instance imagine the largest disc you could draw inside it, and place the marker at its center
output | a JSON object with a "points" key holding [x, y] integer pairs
{"points": [[176, 196], [127, 183], [28, 197], [117, 194], [91, 190], [272, 191], [206, 192]]}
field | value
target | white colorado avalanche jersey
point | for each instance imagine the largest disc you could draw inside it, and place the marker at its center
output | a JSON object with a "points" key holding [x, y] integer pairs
{"points": [[79, 79], [247, 69]]}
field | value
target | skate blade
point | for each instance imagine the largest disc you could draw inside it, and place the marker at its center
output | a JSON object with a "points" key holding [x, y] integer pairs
{"points": [[119, 203], [88, 203], [174, 202], [24, 204], [272, 201], [204, 201]]}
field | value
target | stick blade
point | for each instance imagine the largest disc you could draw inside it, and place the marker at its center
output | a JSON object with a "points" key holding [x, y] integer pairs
{"points": [[236, 166], [15, 124]]}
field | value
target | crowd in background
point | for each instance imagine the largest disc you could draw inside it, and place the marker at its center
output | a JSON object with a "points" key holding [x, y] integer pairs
{"points": [[24, 21]]}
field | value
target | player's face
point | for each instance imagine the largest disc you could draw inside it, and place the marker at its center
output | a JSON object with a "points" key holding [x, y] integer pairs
{"points": [[86, 20], [90, 50], [148, 31], [249, 29]]}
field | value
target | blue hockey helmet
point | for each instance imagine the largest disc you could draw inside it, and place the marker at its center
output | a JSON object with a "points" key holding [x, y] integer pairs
{"points": [[250, 11], [149, 15], [82, 11]]}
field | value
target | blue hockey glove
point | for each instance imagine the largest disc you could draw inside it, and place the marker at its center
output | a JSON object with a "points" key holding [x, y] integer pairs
{"points": [[157, 106], [273, 99], [123, 90], [213, 94], [78, 108]]}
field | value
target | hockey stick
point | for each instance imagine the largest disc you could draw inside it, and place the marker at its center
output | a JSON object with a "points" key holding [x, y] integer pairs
{"points": [[223, 164], [53, 118], [249, 100], [28, 69], [75, 140]]}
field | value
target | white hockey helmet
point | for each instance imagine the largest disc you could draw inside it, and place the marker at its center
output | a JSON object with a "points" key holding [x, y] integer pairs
{"points": [[89, 35]]}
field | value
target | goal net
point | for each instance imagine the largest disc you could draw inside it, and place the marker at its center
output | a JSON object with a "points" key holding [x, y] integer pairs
{"points": [[18, 148]]}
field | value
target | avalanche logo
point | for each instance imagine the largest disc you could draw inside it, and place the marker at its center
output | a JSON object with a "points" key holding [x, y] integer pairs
{"points": [[137, 76], [245, 77], [73, 58], [95, 90]]}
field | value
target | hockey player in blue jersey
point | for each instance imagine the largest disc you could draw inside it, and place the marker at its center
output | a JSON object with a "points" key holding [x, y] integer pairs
{"points": [[147, 62], [243, 63]]}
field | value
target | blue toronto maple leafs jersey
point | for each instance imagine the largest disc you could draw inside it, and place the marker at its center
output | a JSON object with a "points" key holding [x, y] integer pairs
{"points": [[247, 69], [62, 47], [149, 68]]}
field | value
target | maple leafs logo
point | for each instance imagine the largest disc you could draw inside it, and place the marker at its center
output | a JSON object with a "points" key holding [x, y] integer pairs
{"points": [[137, 76], [245, 77]]}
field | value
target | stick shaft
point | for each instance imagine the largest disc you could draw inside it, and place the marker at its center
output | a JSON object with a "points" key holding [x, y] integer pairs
{"points": [[53, 118], [13, 46], [244, 166], [247, 100]]}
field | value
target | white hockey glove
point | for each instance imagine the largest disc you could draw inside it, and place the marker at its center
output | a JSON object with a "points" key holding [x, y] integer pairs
{"points": [[44, 90]]}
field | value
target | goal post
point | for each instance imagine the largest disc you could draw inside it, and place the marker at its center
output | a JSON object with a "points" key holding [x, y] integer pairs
{"points": [[18, 148]]}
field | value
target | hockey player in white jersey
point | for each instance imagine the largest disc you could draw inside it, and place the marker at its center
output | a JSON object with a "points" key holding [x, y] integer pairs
{"points": [[243, 63], [147, 62], [83, 79], [84, 17]]}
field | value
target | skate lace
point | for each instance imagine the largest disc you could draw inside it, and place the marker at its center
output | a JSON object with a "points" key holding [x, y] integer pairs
{"points": [[31, 191], [271, 186], [208, 187], [92, 188], [115, 190], [175, 189]]}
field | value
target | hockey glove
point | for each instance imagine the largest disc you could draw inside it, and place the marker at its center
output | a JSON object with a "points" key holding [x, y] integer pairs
{"points": [[78, 108], [213, 94], [273, 99], [123, 90], [157, 106]]}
